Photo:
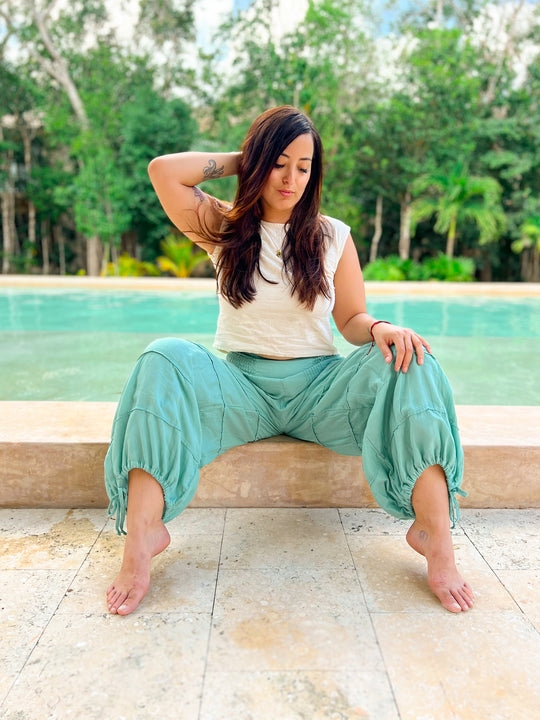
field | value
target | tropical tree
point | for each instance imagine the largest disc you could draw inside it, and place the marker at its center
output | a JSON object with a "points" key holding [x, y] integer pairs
{"points": [[179, 258], [76, 60], [529, 244], [455, 198]]}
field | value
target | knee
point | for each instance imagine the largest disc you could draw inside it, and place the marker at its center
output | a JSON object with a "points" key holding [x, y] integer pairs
{"points": [[169, 347], [185, 355]]}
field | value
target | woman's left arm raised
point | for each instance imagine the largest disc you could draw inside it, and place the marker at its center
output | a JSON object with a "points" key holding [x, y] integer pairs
{"points": [[357, 327]]}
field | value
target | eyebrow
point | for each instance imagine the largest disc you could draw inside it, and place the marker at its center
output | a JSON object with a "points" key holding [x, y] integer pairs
{"points": [[304, 158]]}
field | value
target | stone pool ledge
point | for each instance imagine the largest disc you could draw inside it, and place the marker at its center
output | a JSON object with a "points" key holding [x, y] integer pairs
{"points": [[51, 455], [428, 287]]}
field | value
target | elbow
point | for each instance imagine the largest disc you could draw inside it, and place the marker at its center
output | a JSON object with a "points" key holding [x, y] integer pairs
{"points": [[153, 167]]}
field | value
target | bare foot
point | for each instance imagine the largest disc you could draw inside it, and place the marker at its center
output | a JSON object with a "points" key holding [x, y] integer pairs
{"points": [[443, 578], [133, 580]]}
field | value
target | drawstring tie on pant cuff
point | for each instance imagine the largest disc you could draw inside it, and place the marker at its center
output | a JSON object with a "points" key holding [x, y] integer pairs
{"points": [[454, 506], [118, 509]]}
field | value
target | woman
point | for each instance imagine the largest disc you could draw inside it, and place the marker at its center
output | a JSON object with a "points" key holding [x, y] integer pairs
{"points": [[282, 270]]}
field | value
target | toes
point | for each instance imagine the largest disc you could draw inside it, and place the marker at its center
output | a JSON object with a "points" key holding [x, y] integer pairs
{"points": [[115, 600], [129, 604], [461, 602], [468, 597], [450, 603], [456, 600], [123, 602]]}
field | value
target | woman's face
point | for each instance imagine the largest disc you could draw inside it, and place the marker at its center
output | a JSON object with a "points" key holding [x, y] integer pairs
{"points": [[287, 180]]}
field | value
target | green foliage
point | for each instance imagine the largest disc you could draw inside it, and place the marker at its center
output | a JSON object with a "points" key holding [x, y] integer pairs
{"points": [[150, 126], [179, 257], [392, 129], [455, 197], [128, 266], [100, 193], [456, 269], [392, 268], [441, 267], [530, 235]]}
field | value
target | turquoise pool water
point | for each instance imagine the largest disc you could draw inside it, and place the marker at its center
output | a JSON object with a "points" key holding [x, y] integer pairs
{"points": [[81, 345]]}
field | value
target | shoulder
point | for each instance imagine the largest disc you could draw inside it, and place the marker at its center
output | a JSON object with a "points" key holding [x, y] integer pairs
{"points": [[338, 230]]}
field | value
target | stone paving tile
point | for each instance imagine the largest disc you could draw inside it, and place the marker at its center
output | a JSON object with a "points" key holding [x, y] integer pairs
{"points": [[373, 521], [523, 586], [487, 522], [290, 619], [298, 629], [464, 666], [183, 576], [297, 696], [394, 576], [284, 537], [507, 539], [47, 539], [28, 600], [197, 521], [104, 667]]}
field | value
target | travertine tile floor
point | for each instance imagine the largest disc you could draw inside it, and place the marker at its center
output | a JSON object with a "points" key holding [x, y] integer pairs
{"points": [[258, 614]]}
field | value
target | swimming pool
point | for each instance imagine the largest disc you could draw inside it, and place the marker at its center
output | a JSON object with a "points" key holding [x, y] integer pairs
{"points": [[74, 344]]}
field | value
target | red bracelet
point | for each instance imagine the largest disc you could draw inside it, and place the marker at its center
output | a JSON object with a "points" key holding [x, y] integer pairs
{"points": [[371, 332]]}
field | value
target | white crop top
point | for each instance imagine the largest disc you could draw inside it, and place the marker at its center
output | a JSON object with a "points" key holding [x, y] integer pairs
{"points": [[275, 323]]}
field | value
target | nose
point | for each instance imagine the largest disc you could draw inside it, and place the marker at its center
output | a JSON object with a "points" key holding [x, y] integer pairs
{"points": [[288, 177]]}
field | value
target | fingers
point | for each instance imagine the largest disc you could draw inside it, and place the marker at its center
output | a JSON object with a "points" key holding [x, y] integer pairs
{"points": [[407, 344], [419, 349], [385, 349]]}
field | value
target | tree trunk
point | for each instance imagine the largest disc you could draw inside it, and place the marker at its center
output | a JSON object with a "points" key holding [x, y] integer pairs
{"points": [[405, 227], [129, 244], [378, 229], [9, 229], [439, 14], [535, 265], [451, 238], [59, 239], [7, 249], [94, 252], [486, 272], [524, 265], [79, 250], [45, 246], [27, 144], [58, 68]]}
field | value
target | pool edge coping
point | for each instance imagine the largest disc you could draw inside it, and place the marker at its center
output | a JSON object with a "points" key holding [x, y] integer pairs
{"points": [[427, 287]]}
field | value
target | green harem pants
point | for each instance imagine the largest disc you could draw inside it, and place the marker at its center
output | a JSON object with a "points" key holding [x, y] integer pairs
{"points": [[182, 406]]}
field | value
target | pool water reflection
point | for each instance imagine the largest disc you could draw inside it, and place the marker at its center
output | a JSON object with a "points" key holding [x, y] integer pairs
{"points": [[77, 345]]}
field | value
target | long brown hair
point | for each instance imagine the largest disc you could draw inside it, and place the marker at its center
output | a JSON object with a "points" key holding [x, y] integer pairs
{"points": [[306, 234]]}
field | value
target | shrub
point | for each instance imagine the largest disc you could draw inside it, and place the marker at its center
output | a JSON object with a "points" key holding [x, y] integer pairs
{"points": [[393, 268], [441, 267], [457, 269], [130, 267], [179, 257]]}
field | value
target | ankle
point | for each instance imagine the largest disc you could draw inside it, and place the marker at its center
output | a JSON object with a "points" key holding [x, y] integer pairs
{"points": [[139, 523], [436, 525]]}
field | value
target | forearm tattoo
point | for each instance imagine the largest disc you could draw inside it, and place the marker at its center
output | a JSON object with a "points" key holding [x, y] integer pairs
{"points": [[212, 170], [198, 193]]}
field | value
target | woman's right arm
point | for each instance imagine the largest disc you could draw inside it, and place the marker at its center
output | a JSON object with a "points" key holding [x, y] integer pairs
{"points": [[175, 179]]}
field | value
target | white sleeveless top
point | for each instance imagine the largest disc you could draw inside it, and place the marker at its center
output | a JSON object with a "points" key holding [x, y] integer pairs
{"points": [[275, 323]]}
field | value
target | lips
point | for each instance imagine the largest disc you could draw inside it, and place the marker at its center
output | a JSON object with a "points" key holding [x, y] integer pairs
{"points": [[286, 193]]}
